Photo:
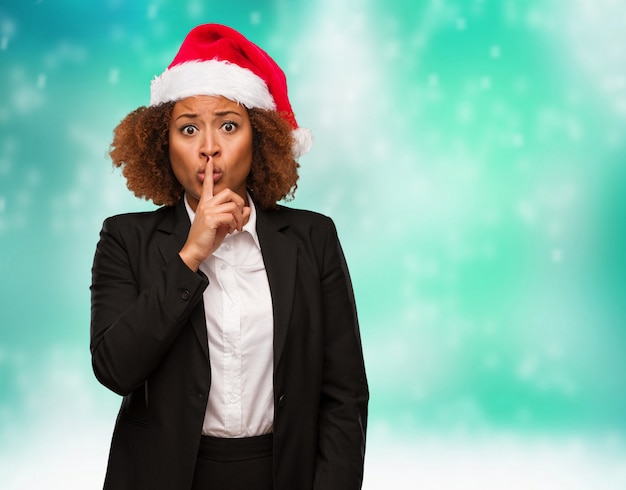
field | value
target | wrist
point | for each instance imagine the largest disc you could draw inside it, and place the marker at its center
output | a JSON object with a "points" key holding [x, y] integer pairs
{"points": [[189, 260]]}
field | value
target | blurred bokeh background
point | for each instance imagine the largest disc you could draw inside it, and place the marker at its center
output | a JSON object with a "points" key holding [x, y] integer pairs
{"points": [[473, 156]]}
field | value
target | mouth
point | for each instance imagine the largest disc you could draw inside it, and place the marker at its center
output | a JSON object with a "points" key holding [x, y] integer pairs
{"points": [[217, 175]]}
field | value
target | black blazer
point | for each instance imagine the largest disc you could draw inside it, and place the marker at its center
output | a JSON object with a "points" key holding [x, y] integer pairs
{"points": [[149, 344]]}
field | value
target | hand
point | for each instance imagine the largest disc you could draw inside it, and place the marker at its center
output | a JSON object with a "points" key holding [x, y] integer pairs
{"points": [[216, 217]]}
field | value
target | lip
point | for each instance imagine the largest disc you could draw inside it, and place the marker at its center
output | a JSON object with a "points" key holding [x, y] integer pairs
{"points": [[217, 175]]}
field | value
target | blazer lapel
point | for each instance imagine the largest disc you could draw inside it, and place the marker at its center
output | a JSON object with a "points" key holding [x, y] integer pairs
{"points": [[280, 256], [176, 226]]}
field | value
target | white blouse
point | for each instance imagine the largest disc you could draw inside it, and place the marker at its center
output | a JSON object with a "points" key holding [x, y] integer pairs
{"points": [[239, 320]]}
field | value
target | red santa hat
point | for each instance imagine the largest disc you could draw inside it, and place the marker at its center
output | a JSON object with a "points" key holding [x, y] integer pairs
{"points": [[217, 60]]}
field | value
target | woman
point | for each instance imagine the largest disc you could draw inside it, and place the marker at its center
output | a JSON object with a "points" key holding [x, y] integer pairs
{"points": [[226, 322]]}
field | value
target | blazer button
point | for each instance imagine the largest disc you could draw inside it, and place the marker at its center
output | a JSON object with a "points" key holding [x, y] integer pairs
{"points": [[185, 295], [281, 401]]}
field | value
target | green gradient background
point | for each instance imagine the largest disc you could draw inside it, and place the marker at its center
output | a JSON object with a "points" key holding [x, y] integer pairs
{"points": [[472, 154]]}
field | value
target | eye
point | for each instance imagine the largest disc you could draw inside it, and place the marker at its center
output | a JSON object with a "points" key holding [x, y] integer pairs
{"points": [[189, 130], [229, 126]]}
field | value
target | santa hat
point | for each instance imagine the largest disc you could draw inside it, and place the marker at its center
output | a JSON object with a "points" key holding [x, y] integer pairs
{"points": [[217, 60]]}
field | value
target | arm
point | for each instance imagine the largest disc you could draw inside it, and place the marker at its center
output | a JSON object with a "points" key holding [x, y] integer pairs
{"points": [[133, 325], [344, 395], [135, 320]]}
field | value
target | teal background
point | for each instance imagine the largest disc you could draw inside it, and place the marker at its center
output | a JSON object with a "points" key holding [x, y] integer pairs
{"points": [[472, 154]]}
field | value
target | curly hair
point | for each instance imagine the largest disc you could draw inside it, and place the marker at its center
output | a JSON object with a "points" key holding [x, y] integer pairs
{"points": [[140, 148]]}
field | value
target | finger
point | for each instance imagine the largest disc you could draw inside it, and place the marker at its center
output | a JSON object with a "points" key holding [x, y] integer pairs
{"points": [[245, 216], [241, 214], [231, 215], [207, 185]]}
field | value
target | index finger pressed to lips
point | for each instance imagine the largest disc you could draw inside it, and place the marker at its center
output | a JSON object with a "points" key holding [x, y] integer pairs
{"points": [[207, 184]]}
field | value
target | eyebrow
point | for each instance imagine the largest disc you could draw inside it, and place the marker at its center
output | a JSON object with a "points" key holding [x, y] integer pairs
{"points": [[189, 115], [226, 113]]}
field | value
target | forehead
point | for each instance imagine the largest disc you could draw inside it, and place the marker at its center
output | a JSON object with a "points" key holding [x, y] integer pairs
{"points": [[201, 104]]}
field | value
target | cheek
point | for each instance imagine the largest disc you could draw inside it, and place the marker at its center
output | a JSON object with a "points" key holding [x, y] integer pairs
{"points": [[177, 164], [247, 156], [245, 167], [176, 154]]}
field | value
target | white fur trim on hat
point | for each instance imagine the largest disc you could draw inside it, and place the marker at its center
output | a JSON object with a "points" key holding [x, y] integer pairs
{"points": [[302, 141], [212, 77]]}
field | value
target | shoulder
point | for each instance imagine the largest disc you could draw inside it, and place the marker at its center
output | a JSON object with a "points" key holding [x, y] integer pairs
{"points": [[301, 217], [308, 228], [140, 223], [299, 221], [138, 219]]}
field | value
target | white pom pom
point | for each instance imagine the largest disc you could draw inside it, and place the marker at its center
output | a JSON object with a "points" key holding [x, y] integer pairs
{"points": [[302, 141]]}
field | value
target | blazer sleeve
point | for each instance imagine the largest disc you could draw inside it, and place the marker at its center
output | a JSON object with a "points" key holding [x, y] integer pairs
{"points": [[136, 314], [344, 390]]}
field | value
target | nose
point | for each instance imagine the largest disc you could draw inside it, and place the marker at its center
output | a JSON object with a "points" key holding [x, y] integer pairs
{"points": [[210, 147]]}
